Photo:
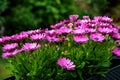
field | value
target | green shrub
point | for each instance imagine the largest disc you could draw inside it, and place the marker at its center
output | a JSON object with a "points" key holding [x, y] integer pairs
{"points": [[99, 6], [30, 14], [3, 6], [93, 7]]}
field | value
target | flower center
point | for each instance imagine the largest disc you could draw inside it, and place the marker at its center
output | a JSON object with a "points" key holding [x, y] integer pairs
{"points": [[96, 38]]}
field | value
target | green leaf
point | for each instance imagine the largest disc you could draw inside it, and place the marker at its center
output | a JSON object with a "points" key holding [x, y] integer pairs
{"points": [[73, 75], [38, 4], [82, 65], [58, 1], [80, 75]]}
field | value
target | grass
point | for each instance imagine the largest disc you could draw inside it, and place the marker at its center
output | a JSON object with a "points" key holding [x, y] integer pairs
{"points": [[4, 73]]}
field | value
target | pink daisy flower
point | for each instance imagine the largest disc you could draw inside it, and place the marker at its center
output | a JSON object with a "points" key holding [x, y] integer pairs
{"points": [[54, 39], [1, 41], [79, 31], [84, 21], [5, 39], [65, 30], [116, 51], [80, 39], [11, 53], [18, 37], [37, 37], [66, 64], [58, 25], [90, 30], [73, 17], [115, 36], [31, 32], [105, 30], [115, 30], [50, 32], [106, 19], [97, 37], [86, 17], [30, 46], [9, 47], [70, 25], [103, 19]]}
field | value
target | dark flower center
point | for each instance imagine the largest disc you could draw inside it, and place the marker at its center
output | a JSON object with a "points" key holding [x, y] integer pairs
{"points": [[118, 47], [96, 38]]}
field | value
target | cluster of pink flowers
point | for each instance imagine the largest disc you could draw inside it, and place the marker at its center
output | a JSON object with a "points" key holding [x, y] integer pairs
{"points": [[97, 28], [83, 30], [10, 43], [19, 37], [11, 49]]}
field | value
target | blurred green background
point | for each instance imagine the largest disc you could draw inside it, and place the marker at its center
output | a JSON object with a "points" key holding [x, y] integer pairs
{"points": [[19, 15]]}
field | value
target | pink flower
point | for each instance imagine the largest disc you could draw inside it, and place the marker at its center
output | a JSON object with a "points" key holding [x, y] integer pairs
{"points": [[82, 29], [73, 17], [31, 32], [65, 30], [18, 37], [66, 64], [116, 51], [37, 37], [105, 30], [11, 53], [97, 37], [102, 19], [54, 39], [58, 25], [5, 39], [30, 46], [79, 31], [70, 25], [82, 26], [9, 47], [90, 30], [1, 41], [115, 30], [104, 24], [86, 17], [80, 38], [115, 36], [6, 55], [84, 21], [51, 32], [77, 23], [106, 19]]}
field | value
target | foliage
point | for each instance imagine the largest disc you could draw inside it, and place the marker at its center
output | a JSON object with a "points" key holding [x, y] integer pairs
{"points": [[94, 7], [97, 7], [22, 15], [3, 6]]}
